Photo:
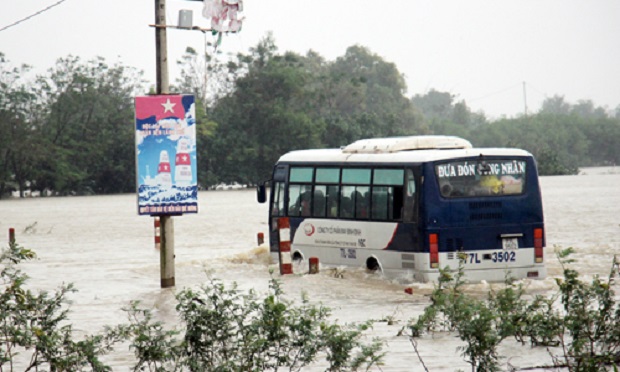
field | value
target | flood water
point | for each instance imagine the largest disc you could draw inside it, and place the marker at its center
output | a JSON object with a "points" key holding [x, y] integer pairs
{"points": [[106, 250]]}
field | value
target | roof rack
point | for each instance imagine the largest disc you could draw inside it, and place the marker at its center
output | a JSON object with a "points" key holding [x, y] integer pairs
{"points": [[397, 144]]}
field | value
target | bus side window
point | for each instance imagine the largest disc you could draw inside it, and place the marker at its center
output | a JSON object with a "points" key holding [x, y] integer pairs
{"points": [[346, 204], [294, 199], [333, 193], [319, 201], [361, 202], [379, 203], [305, 204], [409, 208]]}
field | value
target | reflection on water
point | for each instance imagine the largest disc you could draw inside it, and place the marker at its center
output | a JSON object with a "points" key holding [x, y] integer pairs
{"points": [[102, 246]]}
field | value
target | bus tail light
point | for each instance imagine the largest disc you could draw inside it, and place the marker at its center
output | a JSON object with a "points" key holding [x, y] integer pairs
{"points": [[538, 245], [433, 246]]}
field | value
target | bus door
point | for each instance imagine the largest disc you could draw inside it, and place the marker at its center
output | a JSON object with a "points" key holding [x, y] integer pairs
{"points": [[277, 207]]}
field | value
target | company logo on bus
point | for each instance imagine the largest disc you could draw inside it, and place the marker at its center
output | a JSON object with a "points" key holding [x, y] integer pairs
{"points": [[309, 229]]}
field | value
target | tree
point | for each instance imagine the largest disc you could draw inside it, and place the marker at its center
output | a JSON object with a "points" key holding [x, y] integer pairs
{"points": [[603, 135], [557, 144], [435, 104], [264, 117], [88, 127], [586, 109], [283, 102], [374, 92], [20, 148], [555, 105], [205, 76]]}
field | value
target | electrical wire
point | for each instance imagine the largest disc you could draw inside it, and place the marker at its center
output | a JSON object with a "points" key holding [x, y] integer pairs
{"points": [[32, 15], [495, 93]]}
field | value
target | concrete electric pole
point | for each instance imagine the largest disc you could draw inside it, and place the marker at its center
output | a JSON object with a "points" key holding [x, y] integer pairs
{"points": [[166, 252]]}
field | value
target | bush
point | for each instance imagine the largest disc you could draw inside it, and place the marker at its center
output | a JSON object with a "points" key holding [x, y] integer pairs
{"points": [[31, 324], [585, 322], [226, 330], [222, 329]]}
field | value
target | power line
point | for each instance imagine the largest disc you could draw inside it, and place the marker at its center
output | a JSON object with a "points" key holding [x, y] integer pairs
{"points": [[32, 15], [495, 93]]}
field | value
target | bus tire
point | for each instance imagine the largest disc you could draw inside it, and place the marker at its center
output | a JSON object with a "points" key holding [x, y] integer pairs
{"points": [[372, 264], [297, 256]]}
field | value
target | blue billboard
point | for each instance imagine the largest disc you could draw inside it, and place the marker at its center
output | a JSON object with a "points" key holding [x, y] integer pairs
{"points": [[166, 171]]}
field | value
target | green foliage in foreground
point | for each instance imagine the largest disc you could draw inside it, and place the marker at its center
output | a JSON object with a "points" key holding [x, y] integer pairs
{"points": [[225, 329], [221, 329], [583, 319], [33, 327]]}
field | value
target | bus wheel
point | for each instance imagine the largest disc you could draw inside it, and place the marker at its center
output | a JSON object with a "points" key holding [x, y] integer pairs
{"points": [[297, 256], [372, 264]]}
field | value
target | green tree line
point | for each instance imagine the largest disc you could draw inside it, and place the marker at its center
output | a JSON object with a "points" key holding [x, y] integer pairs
{"points": [[71, 130], [562, 136]]}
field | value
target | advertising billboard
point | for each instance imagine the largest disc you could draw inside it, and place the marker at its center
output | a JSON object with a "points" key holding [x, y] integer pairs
{"points": [[166, 171]]}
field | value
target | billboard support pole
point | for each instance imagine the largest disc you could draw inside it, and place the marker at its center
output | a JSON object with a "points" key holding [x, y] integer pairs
{"points": [[166, 255], [166, 252]]}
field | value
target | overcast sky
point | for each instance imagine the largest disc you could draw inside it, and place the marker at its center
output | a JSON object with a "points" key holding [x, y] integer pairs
{"points": [[482, 51]]}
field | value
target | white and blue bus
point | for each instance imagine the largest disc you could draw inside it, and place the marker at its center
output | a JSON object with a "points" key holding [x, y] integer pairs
{"points": [[410, 205]]}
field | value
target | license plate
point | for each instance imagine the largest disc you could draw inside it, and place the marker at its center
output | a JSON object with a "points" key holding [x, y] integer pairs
{"points": [[510, 244]]}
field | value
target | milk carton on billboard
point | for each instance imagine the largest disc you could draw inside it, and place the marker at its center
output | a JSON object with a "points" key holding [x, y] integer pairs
{"points": [[166, 130]]}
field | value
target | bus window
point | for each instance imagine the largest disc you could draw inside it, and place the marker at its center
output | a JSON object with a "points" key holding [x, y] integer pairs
{"points": [[300, 197], [305, 205], [346, 204], [354, 195], [388, 177], [299, 174], [333, 193], [480, 178], [354, 202], [359, 176], [327, 175], [379, 203], [387, 194], [326, 192], [409, 208], [361, 200], [319, 202], [294, 197], [277, 201]]}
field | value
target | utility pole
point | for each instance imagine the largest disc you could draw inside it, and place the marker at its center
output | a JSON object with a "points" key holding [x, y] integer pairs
{"points": [[166, 251], [161, 47], [524, 99]]}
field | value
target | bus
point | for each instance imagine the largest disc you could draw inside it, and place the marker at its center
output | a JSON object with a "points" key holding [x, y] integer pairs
{"points": [[408, 206]]}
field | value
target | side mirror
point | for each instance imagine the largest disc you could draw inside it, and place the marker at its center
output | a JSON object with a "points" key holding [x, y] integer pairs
{"points": [[261, 195]]}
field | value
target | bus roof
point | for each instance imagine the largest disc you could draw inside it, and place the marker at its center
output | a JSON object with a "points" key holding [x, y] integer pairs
{"points": [[397, 144], [416, 149]]}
